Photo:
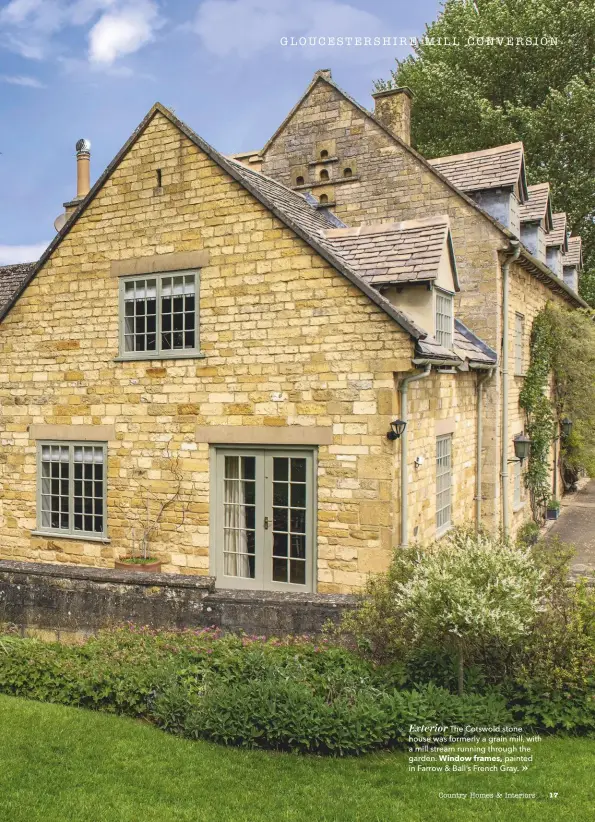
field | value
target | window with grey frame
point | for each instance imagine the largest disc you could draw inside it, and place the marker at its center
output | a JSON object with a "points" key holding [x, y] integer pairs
{"points": [[518, 484], [263, 535], [71, 496], [444, 318], [159, 315], [519, 334], [443, 482]]}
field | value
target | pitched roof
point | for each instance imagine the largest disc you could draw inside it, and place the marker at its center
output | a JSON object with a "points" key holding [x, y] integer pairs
{"points": [[497, 167], [574, 255], [557, 236], [11, 278], [538, 206], [526, 259], [389, 253]]}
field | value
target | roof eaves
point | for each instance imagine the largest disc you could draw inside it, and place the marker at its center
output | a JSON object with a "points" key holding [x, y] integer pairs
{"points": [[543, 273]]}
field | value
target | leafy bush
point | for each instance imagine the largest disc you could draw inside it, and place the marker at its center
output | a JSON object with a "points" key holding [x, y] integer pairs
{"points": [[463, 593], [528, 534], [287, 695], [285, 715]]}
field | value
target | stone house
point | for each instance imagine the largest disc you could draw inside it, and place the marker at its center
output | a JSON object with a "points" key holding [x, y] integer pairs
{"points": [[232, 360], [361, 165]]}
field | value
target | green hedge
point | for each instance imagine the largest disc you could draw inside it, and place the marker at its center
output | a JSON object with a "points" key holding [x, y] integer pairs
{"points": [[292, 695]]}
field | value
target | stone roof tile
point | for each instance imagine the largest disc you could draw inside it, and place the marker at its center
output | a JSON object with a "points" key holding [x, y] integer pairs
{"points": [[536, 207], [497, 167], [11, 279], [574, 255], [557, 236], [393, 253]]}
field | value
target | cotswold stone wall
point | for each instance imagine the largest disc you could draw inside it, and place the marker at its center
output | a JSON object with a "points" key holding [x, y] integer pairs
{"points": [[391, 184], [68, 603], [440, 405], [287, 341]]}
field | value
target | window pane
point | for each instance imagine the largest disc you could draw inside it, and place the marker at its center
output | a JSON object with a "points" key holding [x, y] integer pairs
{"points": [[54, 498], [443, 482], [444, 319], [239, 520], [297, 572]]}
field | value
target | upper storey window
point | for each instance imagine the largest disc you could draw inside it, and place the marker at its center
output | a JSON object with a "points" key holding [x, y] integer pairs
{"points": [[159, 316], [444, 318]]}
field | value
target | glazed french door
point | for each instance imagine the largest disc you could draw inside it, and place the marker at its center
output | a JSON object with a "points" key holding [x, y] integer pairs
{"points": [[264, 519]]}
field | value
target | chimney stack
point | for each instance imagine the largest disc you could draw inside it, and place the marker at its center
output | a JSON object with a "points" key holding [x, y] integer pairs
{"points": [[83, 168], [393, 109]]}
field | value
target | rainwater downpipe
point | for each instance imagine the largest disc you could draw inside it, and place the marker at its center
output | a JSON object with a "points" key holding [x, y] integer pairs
{"points": [[512, 254], [481, 380], [404, 436]]}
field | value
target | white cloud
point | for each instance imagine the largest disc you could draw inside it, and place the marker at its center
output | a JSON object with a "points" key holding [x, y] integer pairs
{"points": [[10, 254], [118, 27], [21, 80], [122, 31], [246, 27]]}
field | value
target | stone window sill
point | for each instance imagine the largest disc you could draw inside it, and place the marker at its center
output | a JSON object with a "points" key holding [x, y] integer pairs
{"points": [[190, 355], [518, 507], [442, 532], [77, 537]]}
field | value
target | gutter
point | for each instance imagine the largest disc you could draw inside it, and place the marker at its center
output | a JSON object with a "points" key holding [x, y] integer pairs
{"points": [[404, 436], [481, 380], [512, 254]]}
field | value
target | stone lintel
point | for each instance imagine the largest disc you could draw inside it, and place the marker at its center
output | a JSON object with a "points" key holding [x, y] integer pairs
{"points": [[157, 263], [264, 435], [73, 433]]}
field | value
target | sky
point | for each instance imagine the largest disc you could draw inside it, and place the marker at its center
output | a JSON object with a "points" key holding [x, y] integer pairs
{"points": [[93, 68]]}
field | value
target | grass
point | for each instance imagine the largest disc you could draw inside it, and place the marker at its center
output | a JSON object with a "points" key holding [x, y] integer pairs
{"points": [[69, 765]]}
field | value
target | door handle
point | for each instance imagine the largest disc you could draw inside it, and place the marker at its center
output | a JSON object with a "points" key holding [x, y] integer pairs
{"points": [[266, 523]]}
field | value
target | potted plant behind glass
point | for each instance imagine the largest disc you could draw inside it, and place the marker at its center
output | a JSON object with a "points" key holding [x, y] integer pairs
{"points": [[140, 558], [553, 508]]}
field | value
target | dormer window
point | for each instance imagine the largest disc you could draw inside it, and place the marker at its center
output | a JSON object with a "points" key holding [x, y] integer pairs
{"points": [[444, 318]]}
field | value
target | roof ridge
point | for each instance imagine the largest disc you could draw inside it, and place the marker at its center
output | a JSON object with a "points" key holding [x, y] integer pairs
{"points": [[481, 152], [382, 228]]}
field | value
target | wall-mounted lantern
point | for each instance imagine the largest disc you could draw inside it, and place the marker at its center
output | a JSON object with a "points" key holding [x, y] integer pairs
{"points": [[396, 429], [566, 426], [522, 447]]}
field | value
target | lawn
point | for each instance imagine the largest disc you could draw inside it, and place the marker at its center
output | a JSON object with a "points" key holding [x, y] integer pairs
{"points": [[69, 765]]}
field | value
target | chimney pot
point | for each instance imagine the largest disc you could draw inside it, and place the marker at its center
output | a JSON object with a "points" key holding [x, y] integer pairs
{"points": [[393, 108], [83, 168]]}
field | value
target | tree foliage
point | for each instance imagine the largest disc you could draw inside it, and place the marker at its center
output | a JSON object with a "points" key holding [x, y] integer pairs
{"points": [[472, 97], [560, 382]]}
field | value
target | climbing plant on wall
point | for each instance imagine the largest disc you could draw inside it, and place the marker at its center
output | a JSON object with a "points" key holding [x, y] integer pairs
{"points": [[560, 382], [535, 401]]}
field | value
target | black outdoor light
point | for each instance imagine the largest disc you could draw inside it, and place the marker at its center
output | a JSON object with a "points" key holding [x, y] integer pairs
{"points": [[566, 426], [522, 447], [397, 427]]}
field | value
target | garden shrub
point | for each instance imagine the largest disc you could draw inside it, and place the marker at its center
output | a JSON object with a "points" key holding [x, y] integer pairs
{"points": [[463, 593], [294, 694]]}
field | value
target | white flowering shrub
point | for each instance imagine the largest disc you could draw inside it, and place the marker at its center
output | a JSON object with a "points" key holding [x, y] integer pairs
{"points": [[469, 589]]}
